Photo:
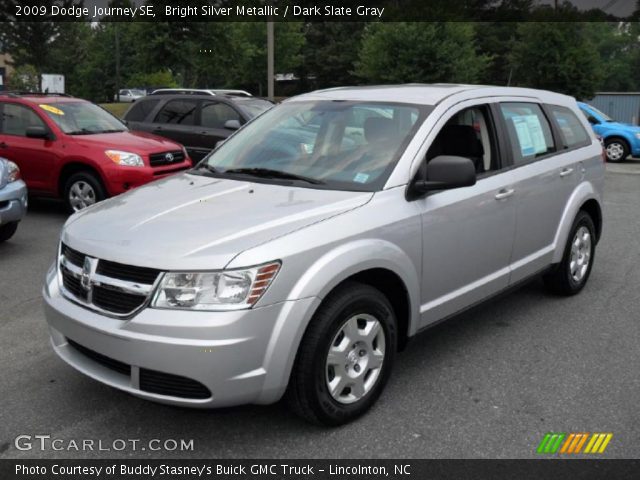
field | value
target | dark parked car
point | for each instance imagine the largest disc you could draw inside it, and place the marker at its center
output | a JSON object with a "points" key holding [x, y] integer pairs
{"points": [[197, 121]]}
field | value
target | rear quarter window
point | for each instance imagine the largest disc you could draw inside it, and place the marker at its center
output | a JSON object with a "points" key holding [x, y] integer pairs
{"points": [[141, 110], [573, 133]]}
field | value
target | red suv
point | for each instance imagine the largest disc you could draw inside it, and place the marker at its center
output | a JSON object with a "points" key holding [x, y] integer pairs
{"points": [[71, 148]]}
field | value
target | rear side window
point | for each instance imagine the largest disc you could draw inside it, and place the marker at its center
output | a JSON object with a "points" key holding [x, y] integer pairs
{"points": [[141, 110], [180, 112], [529, 131], [573, 133], [17, 118]]}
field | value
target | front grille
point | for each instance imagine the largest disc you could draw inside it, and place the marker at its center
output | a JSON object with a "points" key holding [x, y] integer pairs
{"points": [[103, 360], [172, 385], [121, 289], [73, 256], [159, 159], [116, 301], [127, 272], [72, 284]]}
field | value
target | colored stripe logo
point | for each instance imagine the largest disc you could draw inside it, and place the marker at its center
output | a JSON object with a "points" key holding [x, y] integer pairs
{"points": [[572, 443]]}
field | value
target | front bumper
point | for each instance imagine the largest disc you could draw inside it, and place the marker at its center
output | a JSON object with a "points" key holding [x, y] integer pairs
{"points": [[119, 179], [239, 356], [13, 202]]}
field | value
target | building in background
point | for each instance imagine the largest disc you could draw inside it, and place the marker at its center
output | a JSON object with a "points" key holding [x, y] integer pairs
{"points": [[623, 107]]}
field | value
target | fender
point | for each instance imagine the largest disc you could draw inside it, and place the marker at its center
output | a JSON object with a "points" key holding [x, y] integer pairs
{"points": [[585, 191], [318, 281]]}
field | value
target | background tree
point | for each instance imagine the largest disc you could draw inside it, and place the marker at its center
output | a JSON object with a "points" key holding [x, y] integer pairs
{"points": [[329, 53], [557, 56], [420, 52]]}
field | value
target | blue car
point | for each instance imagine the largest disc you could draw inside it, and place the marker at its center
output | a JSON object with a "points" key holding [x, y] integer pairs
{"points": [[620, 139]]}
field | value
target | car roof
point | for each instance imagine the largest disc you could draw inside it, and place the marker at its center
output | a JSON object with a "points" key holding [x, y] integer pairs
{"points": [[425, 94]]}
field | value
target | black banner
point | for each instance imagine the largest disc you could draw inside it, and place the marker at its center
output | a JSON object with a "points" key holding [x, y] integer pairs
{"points": [[311, 11], [319, 469]]}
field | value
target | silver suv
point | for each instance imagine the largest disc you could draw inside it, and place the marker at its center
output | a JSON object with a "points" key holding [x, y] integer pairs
{"points": [[302, 253]]}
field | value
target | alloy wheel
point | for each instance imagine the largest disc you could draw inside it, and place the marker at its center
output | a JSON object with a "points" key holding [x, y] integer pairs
{"points": [[355, 358]]}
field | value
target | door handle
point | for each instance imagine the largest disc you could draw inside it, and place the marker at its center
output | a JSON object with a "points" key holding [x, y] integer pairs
{"points": [[504, 193], [566, 171]]}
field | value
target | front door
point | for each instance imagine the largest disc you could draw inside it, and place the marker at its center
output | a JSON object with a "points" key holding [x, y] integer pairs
{"points": [[467, 232]]}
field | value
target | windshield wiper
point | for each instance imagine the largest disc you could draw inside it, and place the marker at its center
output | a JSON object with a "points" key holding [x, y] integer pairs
{"points": [[206, 166], [84, 131], [269, 173]]}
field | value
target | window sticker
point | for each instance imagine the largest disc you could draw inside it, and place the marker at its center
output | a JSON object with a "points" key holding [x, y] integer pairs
{"points": [[530, 135], [361, 178], [51, 109]]}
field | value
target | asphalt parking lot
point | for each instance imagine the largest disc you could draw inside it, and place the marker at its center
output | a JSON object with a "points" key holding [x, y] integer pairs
{"points": [[487, 384]]}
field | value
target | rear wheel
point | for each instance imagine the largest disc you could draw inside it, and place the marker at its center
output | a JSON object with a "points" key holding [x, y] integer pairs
{"points": [[7, 231], [572, 273], [616, 150], [82, 190], [345, 357]]}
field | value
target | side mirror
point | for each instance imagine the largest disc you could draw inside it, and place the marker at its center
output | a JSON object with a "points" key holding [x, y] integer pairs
{"points": [[445, 172], [38, 132], [232, 124], [593, 120]]}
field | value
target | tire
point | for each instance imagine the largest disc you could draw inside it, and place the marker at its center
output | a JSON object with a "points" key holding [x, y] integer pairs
{"points": [[572, 273], [344, 319], [616, 149], [81, 190], [7, 231]]}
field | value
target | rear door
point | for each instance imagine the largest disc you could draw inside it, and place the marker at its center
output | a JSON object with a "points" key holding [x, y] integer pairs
{"points": [[36, 157], [545, 174], [141, 114]]}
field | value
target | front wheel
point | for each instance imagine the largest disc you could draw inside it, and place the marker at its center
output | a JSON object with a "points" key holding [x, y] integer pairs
{"points": [[616, 150], [572, 273], [7, 231], [82, 190], [345, 356]]}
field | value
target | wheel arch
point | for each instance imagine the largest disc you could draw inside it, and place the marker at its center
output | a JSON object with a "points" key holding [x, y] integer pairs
{"points": [[373, 262], [585, 197], [74, 166]]}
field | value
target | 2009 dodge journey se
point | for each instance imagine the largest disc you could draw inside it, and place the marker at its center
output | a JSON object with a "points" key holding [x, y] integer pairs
{"points": [[300, 255]]}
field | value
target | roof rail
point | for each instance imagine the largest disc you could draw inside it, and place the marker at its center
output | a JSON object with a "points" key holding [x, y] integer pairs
{"points": [[24, 93], [181, 91]]}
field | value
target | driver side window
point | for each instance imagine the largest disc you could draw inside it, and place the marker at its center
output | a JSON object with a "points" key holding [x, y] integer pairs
{"points": [[470, 134]]}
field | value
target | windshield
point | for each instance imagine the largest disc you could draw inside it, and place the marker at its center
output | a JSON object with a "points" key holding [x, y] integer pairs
{"points": [[82, 118], [138, 92], [604, 116], [339, 145], [253, 106]]}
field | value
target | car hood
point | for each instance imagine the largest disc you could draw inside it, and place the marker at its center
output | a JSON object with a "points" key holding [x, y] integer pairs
{"points": [[137, 142], [191, 222], [621, 126]]}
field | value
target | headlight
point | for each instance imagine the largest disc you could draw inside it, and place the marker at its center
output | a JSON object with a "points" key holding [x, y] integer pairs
{"points": [[222, 290], [127, 159], [637, 135], [13, 171]]}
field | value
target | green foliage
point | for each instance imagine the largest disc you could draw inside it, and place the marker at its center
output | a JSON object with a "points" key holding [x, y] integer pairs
{"points": [[25, 78], [161, 78], [420, 52], [557, 56]]}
